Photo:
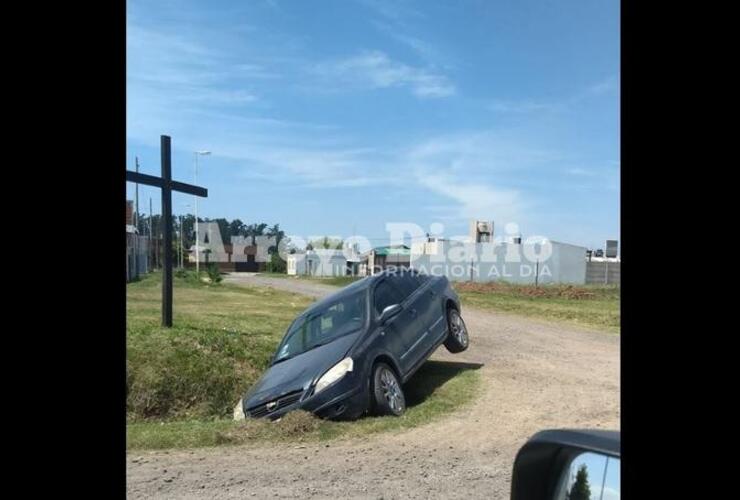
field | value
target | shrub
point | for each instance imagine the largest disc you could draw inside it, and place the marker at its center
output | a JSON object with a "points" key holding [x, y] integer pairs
{"points": [[276, 264], [213, 273]]}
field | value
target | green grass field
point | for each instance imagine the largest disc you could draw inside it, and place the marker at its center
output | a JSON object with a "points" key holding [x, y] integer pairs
{"points": [[590, 306], [182, 383]]}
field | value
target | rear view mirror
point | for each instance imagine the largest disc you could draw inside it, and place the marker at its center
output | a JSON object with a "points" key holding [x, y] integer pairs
{"points": [[389, 312], [568, 465], [589, 475]]}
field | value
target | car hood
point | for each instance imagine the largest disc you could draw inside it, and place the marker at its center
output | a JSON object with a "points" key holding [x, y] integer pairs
{"points": [[297, 373]]}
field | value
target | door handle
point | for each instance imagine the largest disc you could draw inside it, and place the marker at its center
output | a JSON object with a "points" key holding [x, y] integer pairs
{"points": [[432, 293], [413, 312]]}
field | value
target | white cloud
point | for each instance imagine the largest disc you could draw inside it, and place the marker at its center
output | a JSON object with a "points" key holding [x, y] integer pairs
{"points": [[472, 170], [474, 200], [375, 69], [524, 106], [580, 172], [393, 10], [606, 86]]}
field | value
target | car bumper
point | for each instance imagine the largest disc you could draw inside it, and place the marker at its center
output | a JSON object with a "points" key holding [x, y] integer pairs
{"points": [[347, 398]]}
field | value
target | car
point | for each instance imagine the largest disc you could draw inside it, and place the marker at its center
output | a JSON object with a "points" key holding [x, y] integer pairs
{"points": [[568, 464], [351, 352]]}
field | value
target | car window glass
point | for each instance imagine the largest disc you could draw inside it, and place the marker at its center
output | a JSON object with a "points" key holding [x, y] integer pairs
{"points": [[403, 283], [418, 278], [324, 325], [385, 295]]}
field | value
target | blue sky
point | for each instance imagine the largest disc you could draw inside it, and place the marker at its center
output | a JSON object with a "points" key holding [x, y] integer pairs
{"points": [[335, 117]]}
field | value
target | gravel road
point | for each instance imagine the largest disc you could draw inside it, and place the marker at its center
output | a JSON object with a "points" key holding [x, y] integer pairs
{"points": [[304, 287], [536, 375]]}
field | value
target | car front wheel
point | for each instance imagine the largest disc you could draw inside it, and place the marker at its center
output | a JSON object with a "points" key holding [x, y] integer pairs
{"points": [[387, 392], [457, 338]]}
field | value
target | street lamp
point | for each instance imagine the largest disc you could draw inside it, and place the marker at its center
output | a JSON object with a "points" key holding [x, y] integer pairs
{"points": [[196, 154], [182, 244]]}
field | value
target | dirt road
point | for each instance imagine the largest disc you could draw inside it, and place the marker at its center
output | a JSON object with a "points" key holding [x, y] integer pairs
{"points": [[536, 375], [304, 287]]}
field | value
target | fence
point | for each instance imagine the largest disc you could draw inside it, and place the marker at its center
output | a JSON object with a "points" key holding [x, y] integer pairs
{"points": [[137, 258], [603, 272]]}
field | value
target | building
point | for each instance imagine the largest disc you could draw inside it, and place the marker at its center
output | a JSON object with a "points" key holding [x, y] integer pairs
{"points": [[243, 254], [324, 262], [137, 249], [523, 263], [380, 258]]}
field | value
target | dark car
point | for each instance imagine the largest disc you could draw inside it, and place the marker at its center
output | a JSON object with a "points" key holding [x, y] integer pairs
{"points": [[351, 352]]}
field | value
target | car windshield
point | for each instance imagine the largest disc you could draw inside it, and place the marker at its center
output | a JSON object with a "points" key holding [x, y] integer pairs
{"points": [[319, 327]]}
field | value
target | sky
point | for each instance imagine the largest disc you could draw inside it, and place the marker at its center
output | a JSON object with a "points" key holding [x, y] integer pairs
{"points": [[335, 117]]}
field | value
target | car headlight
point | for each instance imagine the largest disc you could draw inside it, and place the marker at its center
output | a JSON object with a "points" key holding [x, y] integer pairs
{"points": [[333, 374]]}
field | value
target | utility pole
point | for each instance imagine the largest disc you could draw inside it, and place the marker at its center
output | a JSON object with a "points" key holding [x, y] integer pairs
{"points": [[196, 154], [151, 248], [182, 264], [136, 214], [136, 223]]}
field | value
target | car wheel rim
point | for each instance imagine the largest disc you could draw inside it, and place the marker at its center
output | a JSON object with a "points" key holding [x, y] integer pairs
{"points": [[391, 391], [458, 329]]}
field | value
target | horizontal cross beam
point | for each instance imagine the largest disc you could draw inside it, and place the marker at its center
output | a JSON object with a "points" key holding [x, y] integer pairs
{"points": [[151, 180]]}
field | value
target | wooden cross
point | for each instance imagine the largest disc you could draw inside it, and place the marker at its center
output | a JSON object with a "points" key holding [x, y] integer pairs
{"points": [[167, 185]]}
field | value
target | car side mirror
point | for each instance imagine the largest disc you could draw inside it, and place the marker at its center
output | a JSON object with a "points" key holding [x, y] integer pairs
{"points": [[389, 312], [568, 464]]}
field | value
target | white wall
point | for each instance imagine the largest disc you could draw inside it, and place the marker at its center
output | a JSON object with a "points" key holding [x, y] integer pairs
{"points": [[484, 262], [296, 264], [318, 263]]}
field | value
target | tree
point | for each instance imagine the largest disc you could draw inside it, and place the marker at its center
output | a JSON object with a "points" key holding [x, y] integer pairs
{"points": [[278, 234], [236, 228], [580, 490], [276, 264], [255, 229], [324, 242], [225, 229]]}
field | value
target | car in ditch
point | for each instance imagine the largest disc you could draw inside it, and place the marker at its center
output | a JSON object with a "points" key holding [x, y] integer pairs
{"points": [[351, 352]]}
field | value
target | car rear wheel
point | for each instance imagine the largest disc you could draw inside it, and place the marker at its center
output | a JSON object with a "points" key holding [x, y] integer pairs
{"points": [[457, 338], [387, 391]]}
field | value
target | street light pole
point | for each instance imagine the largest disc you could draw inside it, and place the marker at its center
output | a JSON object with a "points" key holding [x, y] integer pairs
{"points": [[181, 261], [197, 245]]}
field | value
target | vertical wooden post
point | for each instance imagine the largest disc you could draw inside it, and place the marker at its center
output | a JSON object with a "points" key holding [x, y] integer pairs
{"points": [[167, 231]]}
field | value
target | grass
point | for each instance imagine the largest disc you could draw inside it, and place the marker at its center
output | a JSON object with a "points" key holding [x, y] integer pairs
{"points": [[593, 306], [435, 390], [222, 340], [183, 382]]}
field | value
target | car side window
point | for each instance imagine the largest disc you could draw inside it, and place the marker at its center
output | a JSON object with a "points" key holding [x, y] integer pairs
{"points": [[404, 283], [385, 295], [418, 278], [422, 278]]}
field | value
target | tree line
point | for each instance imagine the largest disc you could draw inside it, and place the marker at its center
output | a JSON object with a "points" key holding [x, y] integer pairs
{"points": [[185, 224]]}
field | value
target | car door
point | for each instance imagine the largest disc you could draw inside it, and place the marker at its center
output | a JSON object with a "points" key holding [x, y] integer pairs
{"points": [[414, 323], [385, 295], [434, 312]]}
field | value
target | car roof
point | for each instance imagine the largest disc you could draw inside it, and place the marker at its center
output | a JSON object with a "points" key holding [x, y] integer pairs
{"points": [[357, 286]]}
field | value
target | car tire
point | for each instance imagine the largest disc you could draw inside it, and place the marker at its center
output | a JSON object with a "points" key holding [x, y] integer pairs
{"points": [[457, 339], [387, 392]]}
